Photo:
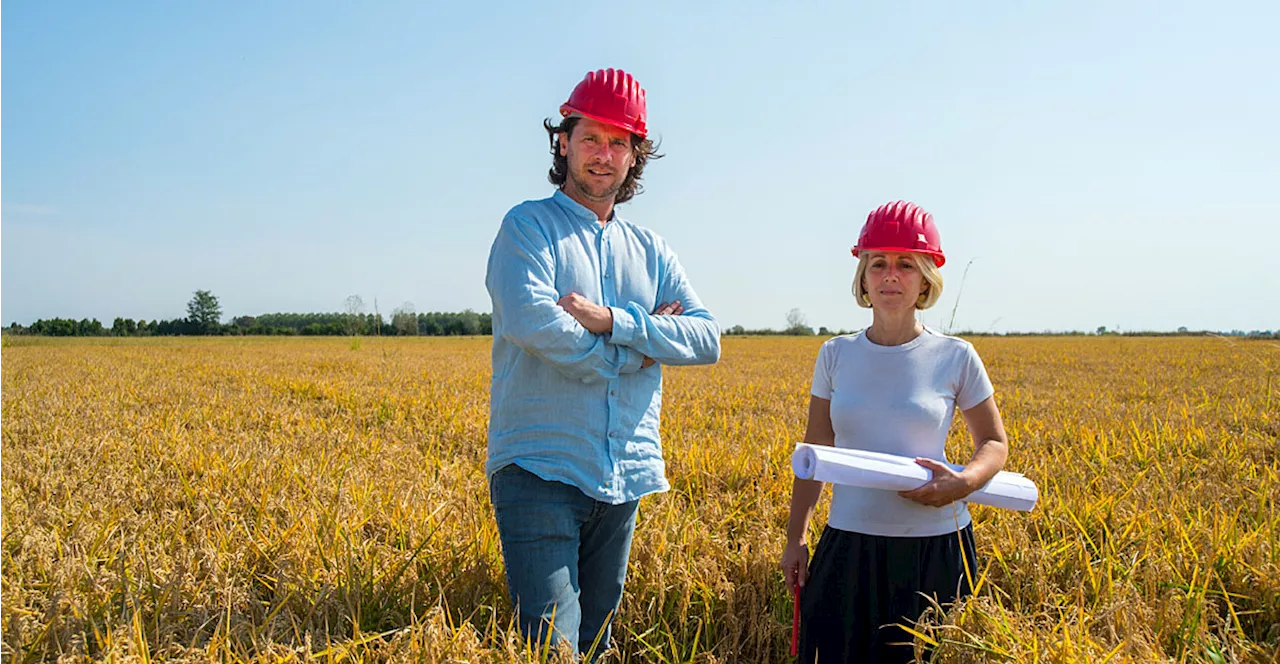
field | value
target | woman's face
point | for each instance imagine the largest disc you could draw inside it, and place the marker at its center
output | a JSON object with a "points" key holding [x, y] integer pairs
{"points": [[893, 281]]}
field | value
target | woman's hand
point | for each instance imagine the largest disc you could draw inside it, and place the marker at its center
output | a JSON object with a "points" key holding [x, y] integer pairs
{"points": [[946, 487], [795, 564]]}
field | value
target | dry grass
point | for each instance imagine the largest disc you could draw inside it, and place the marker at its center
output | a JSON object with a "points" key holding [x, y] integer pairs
{"points": [[294, 499]]}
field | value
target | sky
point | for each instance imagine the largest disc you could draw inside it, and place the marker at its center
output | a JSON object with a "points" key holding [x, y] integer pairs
{"points": [[1088, 163]]}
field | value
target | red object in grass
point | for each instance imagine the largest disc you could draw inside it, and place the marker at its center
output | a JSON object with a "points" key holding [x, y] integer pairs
{"points": [[795, 620]]}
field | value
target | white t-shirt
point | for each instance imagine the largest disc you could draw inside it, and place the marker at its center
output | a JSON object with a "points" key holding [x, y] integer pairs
{"points": [[897, 400]]}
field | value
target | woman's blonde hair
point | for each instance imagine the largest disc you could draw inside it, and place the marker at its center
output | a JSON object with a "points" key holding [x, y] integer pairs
{"points": [[929, 270]]}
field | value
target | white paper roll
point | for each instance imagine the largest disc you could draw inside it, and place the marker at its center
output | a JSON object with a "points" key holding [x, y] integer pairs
{"points": [[875, 470]]}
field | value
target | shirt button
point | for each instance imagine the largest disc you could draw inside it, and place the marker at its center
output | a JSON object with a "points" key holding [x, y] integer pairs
{"points": [[613, 393], [613, 434]]}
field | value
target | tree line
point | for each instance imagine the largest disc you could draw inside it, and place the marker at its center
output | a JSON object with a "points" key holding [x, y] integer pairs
{"points": [[322, 324], [204, 315]]}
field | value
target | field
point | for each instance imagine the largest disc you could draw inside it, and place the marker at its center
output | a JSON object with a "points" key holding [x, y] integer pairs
{"points": [[273, 500]]}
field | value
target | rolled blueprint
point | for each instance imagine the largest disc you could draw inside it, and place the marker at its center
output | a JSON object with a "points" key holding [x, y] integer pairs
{"points": [[876, 470]]}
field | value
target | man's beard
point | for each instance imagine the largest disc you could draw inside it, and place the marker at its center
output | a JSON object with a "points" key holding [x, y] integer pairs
{"points": [[610, 192]]}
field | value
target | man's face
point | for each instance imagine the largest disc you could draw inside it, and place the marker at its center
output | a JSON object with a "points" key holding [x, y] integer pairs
{"points": [[600, 156]]}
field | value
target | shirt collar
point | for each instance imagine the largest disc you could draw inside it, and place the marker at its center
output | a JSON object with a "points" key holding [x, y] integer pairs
{"points": [[581, 211]]}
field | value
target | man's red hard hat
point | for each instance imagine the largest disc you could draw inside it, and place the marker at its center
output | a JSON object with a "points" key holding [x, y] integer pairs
{"points": [[612, 96]]}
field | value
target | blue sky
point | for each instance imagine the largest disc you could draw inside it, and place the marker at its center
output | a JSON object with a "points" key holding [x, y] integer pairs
{"points": [[1100, 163]]}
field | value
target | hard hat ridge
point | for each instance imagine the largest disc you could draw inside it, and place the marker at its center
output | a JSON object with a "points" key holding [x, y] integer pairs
{"points": [[612, 96], [901, 226]]}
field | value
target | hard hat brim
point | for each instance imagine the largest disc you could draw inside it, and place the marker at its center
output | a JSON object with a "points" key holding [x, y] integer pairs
{"points": [[938, 258], [569, 111]]}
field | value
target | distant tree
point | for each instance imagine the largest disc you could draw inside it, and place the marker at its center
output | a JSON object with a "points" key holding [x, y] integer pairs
{"points": [[797, 323], [470, 322], [823, 331], [321, 329], [55, 327], [404, 320], [1182, 329], [353, 306], [452, 325], [429, 325], [173, 327], [1102, 329], [204, 312], [90, 328], [244, 322]]}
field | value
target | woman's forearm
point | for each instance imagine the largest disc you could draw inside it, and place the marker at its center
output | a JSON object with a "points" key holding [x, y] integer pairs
{"points": [[804, 496], [988, 459]]}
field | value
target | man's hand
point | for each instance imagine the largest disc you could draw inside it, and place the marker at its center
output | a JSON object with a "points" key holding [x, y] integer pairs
{"points": [[664, 309], [597, 319], [669, 309]]}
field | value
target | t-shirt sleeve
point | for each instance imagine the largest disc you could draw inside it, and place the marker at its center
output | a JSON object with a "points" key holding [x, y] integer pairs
{"points": [[975, 386], [822, 372]]}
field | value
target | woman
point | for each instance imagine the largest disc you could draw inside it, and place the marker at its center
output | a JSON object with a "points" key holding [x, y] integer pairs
{"points": [[892, 388]]}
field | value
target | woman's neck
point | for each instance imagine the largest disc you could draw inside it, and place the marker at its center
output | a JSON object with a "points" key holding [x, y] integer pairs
{"points": [[891, 328]]}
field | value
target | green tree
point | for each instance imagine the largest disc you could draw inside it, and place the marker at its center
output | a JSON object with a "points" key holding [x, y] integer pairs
{"points": [[90, 328], [244, 323], [470, 322], [354, 320], [204, 312], [404, 320]]}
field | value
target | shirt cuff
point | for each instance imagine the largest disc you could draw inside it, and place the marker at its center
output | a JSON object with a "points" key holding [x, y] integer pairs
{"points": [[624, 327], [634, 359]]}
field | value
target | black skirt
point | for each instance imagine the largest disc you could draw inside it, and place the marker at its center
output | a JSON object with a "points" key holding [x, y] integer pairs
{"points": [[861, 586]]}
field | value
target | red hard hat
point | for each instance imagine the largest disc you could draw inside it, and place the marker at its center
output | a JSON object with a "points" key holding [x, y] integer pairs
{"points": [[612, 96], [903, 227]]}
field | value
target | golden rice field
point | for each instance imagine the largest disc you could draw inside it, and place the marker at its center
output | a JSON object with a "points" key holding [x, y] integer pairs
{"points": [[274, 500]]}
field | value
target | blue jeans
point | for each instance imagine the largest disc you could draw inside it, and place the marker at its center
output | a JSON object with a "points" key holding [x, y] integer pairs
{"points": [[566, 556]]}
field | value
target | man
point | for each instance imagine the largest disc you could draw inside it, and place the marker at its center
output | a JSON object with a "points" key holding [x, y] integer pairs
{"points": [[587, 307]]}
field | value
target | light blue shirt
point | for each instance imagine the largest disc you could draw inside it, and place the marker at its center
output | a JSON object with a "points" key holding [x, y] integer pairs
{"points": [[568, 405]]}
